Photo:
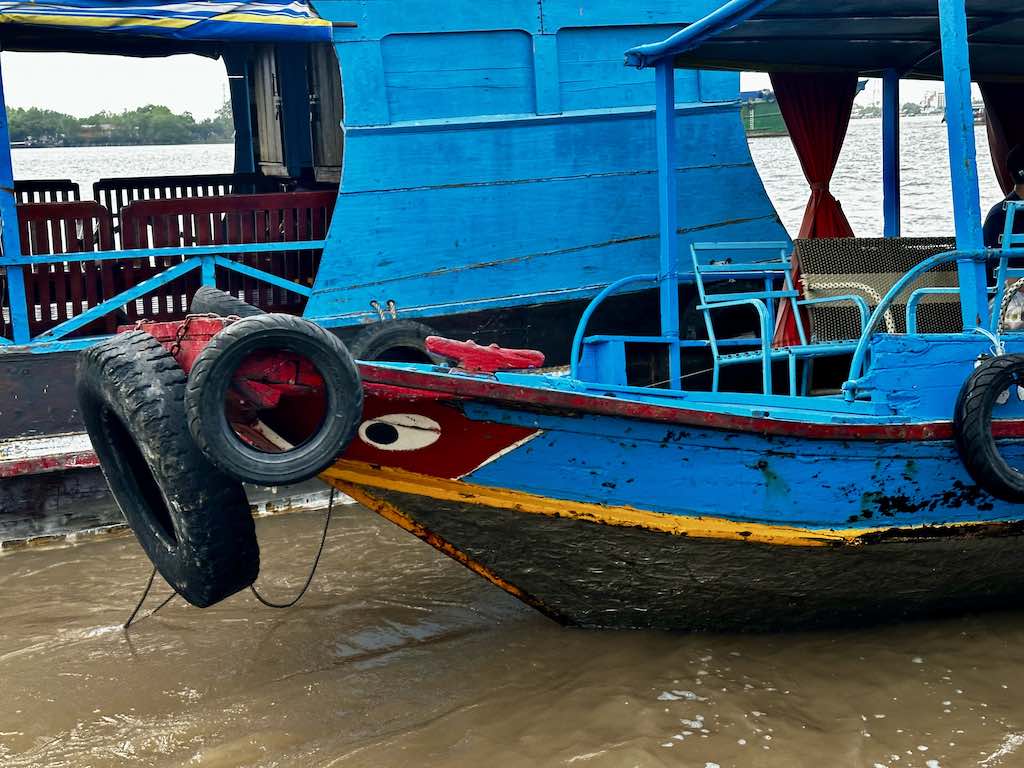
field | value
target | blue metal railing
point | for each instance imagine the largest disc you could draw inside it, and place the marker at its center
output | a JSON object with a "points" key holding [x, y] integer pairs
{"points": [[852, 384], [588, 313], [206, 258]]}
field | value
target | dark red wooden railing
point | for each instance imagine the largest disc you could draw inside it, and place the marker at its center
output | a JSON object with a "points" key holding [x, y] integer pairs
{"points": [[46, 191], [58, 292], [118, 193], [235, 219]]}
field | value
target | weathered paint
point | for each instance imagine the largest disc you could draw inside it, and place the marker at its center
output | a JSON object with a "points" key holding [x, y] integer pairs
{"points": [[549, 175], [595, 575]]}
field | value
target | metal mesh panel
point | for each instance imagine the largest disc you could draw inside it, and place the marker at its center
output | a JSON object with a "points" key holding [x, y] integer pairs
{"points": [[869, 267]]}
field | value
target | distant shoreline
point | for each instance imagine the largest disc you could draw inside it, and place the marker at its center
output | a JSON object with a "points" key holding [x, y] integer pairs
{"points": [[17, 145]]}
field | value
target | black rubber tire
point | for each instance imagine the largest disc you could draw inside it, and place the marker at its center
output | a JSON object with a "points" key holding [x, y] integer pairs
{"points": [[212, 374], [972, 426], [397, 341], [211, 301], [193, 522]]}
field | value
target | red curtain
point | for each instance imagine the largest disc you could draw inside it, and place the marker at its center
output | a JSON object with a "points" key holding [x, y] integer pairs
{"points": [[816, 108], [1004, 111]]}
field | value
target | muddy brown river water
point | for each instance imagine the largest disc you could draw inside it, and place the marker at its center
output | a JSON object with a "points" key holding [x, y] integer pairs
{"points": [[400, 657]]}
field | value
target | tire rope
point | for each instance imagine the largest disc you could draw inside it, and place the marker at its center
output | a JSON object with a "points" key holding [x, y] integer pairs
{"points": [[1005, 304], [252, 588]]}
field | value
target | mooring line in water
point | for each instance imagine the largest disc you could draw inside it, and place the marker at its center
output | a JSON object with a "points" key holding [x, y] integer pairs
{"points": [[142, 600], [252, 588], [312, 571]]}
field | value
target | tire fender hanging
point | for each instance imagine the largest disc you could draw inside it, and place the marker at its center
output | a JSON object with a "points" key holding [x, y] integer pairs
{"points": [[192, 521], [398, 341], [211, 301], [972, 426], [212, 378]]}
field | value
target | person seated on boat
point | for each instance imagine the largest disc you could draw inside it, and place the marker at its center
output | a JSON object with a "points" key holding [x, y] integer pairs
{"points": [[996, 219]]}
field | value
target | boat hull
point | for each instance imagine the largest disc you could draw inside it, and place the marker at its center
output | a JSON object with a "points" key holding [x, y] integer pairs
{"points": [[605, 513], [593, 574]]}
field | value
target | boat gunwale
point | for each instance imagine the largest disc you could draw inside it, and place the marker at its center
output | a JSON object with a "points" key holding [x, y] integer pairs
{"points": [[407, 380]]}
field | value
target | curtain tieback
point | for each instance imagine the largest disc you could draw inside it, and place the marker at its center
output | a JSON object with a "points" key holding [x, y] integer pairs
{"points": [[819, 186]]}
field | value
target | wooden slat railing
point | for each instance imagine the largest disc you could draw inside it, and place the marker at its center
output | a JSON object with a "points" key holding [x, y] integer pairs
{"points": [[45, 191], [58, 292], [118, 193]]}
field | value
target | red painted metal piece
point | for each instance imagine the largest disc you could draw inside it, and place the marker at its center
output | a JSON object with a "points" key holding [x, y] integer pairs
{"points": [[479, 359], [184, 339], [280, 382]]}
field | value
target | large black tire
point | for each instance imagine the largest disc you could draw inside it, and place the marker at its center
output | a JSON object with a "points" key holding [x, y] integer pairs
{"points": [[193, 522], [972, 426], [210, 301], [396, 341], [214, 370]]}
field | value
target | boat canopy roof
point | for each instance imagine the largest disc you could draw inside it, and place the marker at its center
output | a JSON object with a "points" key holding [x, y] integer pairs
{"points": [[861, 36], [155, 27]]}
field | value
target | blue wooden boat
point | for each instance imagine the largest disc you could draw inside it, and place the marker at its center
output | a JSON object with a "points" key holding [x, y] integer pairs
{"points": [[865, 478], [404, 190]]}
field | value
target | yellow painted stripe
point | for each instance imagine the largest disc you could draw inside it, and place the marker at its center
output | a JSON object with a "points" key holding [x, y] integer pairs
{"points": [[93, 21], [359, 473], [391, 513], [255, 18]]}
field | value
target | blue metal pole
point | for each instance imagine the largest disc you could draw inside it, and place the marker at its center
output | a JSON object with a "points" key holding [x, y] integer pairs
{"points": [[10, 241], [891, 152], [665, 121], [963, 160]]}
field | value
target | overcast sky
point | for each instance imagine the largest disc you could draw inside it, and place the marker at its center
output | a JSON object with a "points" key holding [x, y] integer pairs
{"points": [[83, 85]]}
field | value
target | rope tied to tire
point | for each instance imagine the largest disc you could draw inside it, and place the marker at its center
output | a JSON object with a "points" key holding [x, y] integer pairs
{"points": [[175, 459], [252, 587]]}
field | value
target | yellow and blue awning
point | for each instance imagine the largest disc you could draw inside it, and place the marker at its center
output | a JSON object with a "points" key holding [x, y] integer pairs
{"points": [[196, 22]]}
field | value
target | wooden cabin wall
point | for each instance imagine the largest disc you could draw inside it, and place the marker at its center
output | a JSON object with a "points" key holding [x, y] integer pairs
{"points": [[327, 113], [267, 112], [500, 154]]}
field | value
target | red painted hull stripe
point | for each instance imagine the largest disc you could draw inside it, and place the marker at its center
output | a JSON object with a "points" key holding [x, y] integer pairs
{"points": [[517, 397]]}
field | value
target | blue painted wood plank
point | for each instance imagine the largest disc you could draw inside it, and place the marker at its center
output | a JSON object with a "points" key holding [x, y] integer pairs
{"points": [[383, 237], [545, 72], [382, 17], [585, 13], [515, 281], [406, 157], [458, 74], [823, 484], [362, 72], [592, 74]]}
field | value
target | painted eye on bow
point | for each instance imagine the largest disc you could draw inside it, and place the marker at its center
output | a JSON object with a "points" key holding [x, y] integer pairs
{"points": [[400, 432]]}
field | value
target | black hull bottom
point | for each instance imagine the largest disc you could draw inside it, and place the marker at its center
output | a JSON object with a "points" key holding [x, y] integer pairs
{"points": [[596, 575]]}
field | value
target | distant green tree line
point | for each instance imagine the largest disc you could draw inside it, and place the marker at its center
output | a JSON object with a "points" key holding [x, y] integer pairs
{"points": [[152, 124]]}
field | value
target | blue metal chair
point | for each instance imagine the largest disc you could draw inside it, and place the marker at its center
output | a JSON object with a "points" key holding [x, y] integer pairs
{"points": [[712, 263]]}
